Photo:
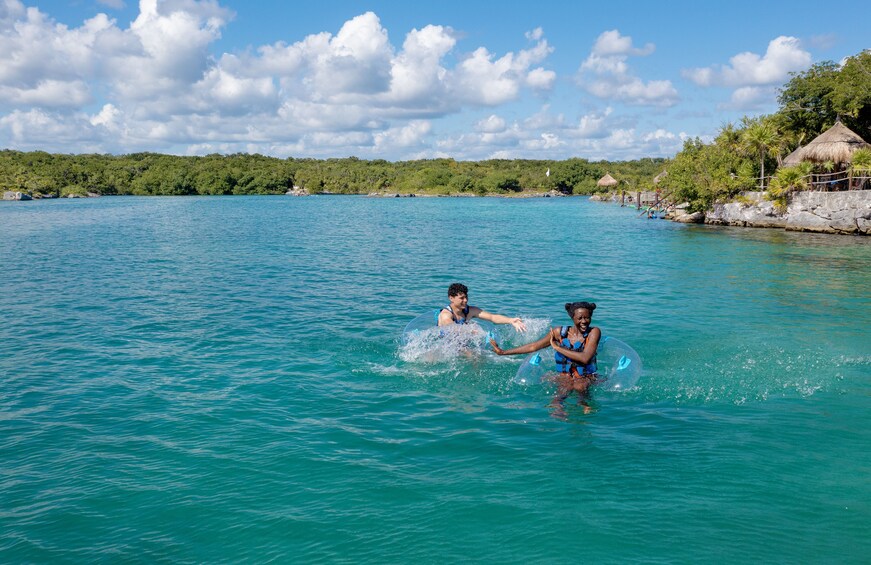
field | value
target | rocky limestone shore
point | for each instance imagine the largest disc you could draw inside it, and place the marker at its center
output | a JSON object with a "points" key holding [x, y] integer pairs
{"points": [[846, 212]]}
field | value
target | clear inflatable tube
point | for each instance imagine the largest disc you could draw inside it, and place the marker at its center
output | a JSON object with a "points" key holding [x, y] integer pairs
{"points": [[430, 320], [619, 365], [424, 331]]}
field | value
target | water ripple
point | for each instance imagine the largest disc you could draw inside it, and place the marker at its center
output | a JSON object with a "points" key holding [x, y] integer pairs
{"points": [[221, 379]]}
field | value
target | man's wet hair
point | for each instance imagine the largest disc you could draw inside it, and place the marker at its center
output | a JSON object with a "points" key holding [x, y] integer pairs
{"points": [[572, 306], [458, 288]]}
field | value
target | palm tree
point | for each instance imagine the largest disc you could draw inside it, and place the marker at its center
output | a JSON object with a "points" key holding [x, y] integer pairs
{"points": [[729, 137], [761, 137], [860, 165], [788, 180]]}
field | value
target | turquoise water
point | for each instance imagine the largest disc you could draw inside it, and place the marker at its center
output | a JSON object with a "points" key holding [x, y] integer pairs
{"points": [[220, 379]]}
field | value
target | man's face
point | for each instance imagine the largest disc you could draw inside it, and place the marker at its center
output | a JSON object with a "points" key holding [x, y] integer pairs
{"points": [[459, 301]]}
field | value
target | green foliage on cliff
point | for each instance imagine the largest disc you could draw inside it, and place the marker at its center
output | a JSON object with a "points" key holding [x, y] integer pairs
{"points": [[156, 174]]}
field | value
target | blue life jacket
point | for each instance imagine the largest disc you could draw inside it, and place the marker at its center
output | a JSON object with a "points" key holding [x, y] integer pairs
{"points": [[564, 364], [453, 316]]}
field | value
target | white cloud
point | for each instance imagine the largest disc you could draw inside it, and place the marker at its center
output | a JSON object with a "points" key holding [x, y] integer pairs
{"points": [[750, 98], [783, 56], [167, 51], [611, 43], [491, 124], [702, 77], [409, 135], [71, 130], [417, 75], [592, 125], [355, 61], [108, 117], [540, 79], [597, 135], [48, 94], [544, 142], [155, 85], [535, 35], [482, 80], [607, 75]]}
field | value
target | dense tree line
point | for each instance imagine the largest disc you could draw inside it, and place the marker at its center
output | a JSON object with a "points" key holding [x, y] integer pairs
{"points": [[156, 174], [745, 156]]}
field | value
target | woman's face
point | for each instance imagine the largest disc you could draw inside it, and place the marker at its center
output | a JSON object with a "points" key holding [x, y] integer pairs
{"points": [[582, 318]]}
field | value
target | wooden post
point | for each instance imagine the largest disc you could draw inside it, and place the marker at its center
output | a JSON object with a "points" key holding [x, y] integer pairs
{"points": [[622, 198], [638, 200]]}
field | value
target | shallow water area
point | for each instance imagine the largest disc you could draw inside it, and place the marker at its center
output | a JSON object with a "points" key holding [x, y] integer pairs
{"points": [[224, 379]]}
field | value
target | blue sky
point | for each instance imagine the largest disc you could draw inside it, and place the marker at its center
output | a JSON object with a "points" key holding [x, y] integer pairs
{"points": [[396, 81]]}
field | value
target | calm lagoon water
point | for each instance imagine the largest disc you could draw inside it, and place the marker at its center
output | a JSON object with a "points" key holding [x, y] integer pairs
{"points": [[219, 379]]}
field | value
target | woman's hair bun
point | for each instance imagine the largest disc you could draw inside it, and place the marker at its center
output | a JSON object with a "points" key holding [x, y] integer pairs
{"points": [[572, 306]]}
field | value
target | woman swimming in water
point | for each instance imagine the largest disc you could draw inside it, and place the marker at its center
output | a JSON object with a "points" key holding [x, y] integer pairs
{"points": [[574, 353]]}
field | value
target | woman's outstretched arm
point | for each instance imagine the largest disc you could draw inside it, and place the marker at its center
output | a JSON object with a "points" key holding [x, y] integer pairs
{"points": [[528, 348]]}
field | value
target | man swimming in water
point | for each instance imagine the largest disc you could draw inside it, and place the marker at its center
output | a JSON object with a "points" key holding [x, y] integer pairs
{"points": [[458, 310]]}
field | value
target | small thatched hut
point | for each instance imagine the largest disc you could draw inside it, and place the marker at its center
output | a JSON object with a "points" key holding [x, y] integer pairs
{"points": [[836, 144], [607, 181], [659, 177], [793, 158]]}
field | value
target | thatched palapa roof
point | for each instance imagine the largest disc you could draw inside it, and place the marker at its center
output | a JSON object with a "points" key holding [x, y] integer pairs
{"points": [[793, 158], [607, 180], [659, 177], [836, 144]]}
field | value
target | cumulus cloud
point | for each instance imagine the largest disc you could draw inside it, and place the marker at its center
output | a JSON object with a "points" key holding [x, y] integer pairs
{"points": [[491, 124], [592, 126], [611, 43], [544, 135], [157, 84], [26, 129], [784, 55], [606, 73], [750, 98], [48, 93], [481, 79], [409, 135]]}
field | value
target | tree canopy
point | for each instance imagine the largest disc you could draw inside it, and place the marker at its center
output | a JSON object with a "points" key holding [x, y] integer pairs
{"points": [[156, 174]]}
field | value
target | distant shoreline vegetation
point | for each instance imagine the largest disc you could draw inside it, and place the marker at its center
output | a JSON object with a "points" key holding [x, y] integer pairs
{"points": [[44, 174]]}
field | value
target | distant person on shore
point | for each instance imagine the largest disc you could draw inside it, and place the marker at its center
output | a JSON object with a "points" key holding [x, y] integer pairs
{"points": [[574, 353], [458, 310]]}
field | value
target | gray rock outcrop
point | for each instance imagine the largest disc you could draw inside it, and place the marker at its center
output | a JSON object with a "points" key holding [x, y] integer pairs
{"points": [[847, 212], [822, 212], [831, 212], [753, 211], [296, 191]]}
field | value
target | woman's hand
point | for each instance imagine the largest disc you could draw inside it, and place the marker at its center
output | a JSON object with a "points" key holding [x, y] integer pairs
{"points": [[496, 348], [555, 343], [518, 325]]}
